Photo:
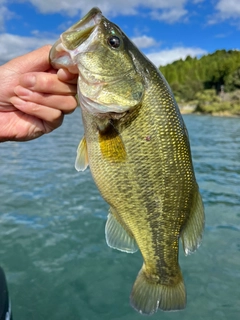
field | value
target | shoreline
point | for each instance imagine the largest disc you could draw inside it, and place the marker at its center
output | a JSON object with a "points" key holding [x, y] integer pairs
{"points": [[191, 109]]}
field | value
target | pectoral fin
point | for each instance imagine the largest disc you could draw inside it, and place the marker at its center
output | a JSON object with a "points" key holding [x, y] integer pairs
{"points": [[192, 233], [81, 162], [117, 237], [111, 145]]}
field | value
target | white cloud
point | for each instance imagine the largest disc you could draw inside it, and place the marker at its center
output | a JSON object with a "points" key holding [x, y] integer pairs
{"points": [[5, 14], [166, 56], [170, 15], [14, 45], [143, 42], [228, 8], [109, 7]]}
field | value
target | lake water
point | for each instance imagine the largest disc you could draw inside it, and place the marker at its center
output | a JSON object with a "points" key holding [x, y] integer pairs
{"points": [[52, 222]]}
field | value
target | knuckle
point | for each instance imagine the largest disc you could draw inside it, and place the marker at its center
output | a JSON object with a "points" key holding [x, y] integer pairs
{"points": [[46, 82], [71, 104]]}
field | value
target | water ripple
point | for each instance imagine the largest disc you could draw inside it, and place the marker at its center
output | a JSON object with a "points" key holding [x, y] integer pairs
{"points": [[52, 230]]}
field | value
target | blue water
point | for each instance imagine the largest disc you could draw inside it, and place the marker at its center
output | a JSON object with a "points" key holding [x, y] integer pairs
{"points": [[52, 219]]}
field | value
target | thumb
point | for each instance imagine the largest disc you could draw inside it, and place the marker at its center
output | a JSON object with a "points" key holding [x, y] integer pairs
{"points": [[37, 60]]}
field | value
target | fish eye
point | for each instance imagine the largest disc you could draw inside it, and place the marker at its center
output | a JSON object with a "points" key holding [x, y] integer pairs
{"points": [[114, 42]]}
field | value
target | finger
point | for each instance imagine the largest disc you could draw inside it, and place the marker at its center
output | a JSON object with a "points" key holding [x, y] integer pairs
{"points": [[52, 117], [51, 70], [66, 76], [65, 103], [37, 60], [46, 83]]}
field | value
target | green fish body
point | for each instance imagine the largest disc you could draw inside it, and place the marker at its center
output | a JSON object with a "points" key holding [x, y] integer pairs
{"points": [[137, 147]]}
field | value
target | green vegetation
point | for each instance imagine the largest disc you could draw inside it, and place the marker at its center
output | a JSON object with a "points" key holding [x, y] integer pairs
{"points": [[211, 84]]}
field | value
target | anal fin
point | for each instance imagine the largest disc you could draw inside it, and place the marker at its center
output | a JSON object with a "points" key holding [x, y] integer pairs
{"points": [[117, 237]]}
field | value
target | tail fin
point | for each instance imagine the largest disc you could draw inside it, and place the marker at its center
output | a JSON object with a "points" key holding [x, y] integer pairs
{"points": [[147, 297]]}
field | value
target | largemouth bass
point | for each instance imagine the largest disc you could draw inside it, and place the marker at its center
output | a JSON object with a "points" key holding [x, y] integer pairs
{"points": [[137, 147]]}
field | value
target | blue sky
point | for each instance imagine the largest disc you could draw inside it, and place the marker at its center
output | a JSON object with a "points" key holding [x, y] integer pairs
{"points": [[165, 30]]}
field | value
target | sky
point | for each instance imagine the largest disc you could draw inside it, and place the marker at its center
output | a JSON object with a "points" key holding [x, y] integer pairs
{"points": [[165, 30]]}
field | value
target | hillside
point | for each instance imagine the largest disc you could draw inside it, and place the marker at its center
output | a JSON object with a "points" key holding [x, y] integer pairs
{"points": [[210, 84]]}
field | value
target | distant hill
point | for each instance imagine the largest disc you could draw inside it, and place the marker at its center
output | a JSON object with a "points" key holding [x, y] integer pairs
{"points": [[211, 83]]}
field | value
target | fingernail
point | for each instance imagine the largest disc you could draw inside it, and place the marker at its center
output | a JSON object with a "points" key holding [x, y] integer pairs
{"points": [[28, 80], [17, 102], [22, 92]]}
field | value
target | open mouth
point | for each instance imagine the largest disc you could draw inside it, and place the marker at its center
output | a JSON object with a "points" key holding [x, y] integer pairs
{"points": [[79, 32], [73, 38]]}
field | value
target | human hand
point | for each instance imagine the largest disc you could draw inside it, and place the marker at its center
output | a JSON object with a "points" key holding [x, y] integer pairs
{"points": [[33, 96]]}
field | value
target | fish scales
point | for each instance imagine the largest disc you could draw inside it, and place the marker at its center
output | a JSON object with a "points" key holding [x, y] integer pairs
{"points": [[137, 147], [147, 200]]}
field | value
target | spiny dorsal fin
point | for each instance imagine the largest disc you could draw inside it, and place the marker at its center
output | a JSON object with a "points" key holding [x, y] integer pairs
{"points": [[192, 233], [117, 237], [111, 145], [81, 162]]}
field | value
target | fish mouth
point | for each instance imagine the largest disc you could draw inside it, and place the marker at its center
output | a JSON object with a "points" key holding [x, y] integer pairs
{"points": [[79, 32], [71, 39]]}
